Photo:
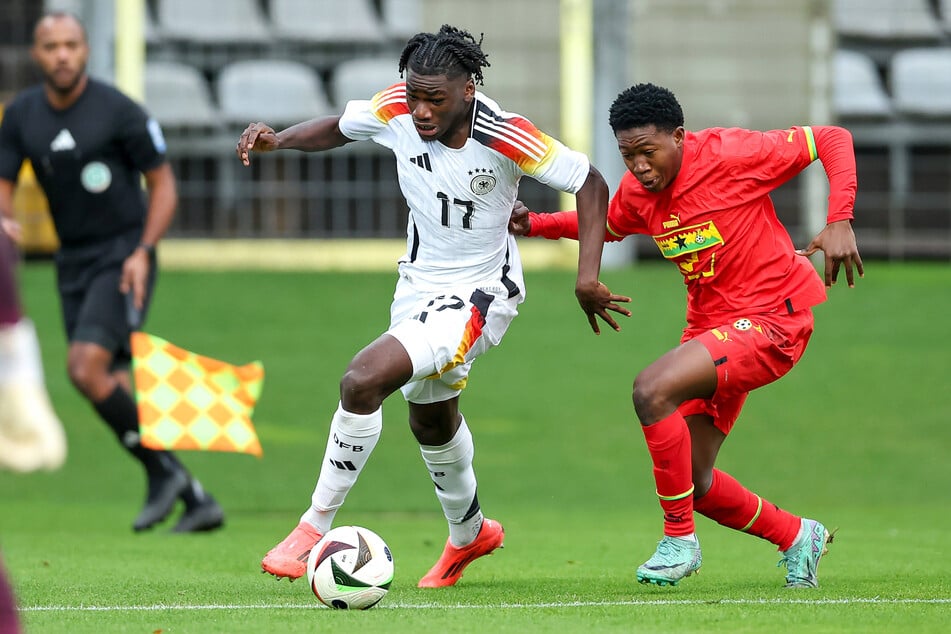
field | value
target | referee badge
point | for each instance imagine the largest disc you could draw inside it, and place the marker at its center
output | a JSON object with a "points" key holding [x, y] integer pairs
{"points": [[96, 177]]}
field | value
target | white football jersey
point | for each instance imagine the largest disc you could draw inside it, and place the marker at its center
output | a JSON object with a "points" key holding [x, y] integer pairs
{"points": [[460, 200]]}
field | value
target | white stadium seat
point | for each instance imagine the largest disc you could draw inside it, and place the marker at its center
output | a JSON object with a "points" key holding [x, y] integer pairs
{"points": [[277, 92], [178, 96], [921, 81], [326, 21], [212, 21], [361, 78], [886, 19], [857, 88]]}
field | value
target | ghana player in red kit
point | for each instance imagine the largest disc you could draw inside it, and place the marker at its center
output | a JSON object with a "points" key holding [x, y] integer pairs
{"points": [[704, 198]]}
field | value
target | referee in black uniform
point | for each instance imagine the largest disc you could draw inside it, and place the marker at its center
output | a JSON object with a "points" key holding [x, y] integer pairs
{"points": [[89, 145]]}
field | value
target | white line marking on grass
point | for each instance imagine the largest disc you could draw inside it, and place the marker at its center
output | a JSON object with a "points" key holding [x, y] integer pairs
{"points": [[495, 606]]}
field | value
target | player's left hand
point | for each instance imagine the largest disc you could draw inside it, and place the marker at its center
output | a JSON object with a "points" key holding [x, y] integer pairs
{"points": [[596, 300], [837, 242], [519, 222], [135, 275]]}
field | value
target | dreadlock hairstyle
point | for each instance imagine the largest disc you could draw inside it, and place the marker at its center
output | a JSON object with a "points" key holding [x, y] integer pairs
{"points": [[644, 105], [450, 52]]}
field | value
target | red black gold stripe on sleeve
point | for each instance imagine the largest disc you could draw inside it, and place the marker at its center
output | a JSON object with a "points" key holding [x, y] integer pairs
{"points": [[389, 103], [514, 137]]}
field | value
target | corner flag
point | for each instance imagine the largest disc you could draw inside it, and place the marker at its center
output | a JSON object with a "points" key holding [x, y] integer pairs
{"points": [[187, 401]]}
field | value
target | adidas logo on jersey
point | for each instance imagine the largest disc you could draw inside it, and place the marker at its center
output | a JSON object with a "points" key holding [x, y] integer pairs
{"points": [[63, 142], [422, 161]]}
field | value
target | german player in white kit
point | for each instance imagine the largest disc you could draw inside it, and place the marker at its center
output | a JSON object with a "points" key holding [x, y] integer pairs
{"points": [[459, 158]]}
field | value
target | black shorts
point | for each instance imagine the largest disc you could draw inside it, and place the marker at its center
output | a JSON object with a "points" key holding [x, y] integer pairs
{"points": [[94, 311]]}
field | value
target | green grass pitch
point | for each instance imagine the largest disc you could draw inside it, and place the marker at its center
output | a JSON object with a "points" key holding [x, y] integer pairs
{"points": [[858, 436]]}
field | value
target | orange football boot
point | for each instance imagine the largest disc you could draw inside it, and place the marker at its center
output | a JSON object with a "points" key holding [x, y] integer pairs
{"points": [[289, 558], [448, 569]]}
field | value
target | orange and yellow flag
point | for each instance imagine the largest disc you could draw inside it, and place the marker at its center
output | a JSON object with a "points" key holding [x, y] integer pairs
{"points": [[187, 401]]}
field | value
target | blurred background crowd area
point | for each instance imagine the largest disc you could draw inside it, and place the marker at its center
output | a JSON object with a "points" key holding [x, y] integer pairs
{"points": [[881, 68]]}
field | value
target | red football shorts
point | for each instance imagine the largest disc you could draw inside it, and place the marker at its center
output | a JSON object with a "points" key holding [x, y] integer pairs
{"points": [[748, 353]]}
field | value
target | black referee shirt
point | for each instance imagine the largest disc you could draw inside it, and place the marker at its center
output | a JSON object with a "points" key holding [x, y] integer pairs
{"points": [[88, 158]]}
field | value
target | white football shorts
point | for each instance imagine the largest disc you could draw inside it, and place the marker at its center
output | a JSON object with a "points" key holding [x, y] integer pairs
{"points": [[444, 331]]}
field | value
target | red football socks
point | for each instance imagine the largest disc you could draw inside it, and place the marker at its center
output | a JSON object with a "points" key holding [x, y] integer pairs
{"points": [[668, 442], [731, 504]]}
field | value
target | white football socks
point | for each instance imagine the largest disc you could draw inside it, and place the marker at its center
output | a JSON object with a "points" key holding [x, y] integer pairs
{"points": [[20, 353], [31, 435], [351, 440], [450, 467]]}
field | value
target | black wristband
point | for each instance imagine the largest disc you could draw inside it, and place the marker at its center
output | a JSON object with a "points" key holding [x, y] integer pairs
{"points": [[148, 248]]}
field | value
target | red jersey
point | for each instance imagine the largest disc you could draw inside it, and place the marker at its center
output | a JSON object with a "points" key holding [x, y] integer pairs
{"points": [[717, 223]]}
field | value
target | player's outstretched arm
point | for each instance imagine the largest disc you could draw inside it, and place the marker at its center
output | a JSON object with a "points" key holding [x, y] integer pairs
{"points": [[837, 242], [314, 135], [596, 300], [594, 297]]}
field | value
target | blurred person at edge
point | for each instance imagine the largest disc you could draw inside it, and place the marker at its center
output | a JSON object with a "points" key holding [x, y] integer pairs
{"points": [[31, 436], [89, 146]]}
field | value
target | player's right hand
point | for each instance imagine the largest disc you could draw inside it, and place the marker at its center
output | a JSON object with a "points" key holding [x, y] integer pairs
{"points": [[596, 300], [257, 137]]}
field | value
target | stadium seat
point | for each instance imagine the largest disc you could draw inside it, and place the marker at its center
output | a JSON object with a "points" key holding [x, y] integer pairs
{"points": [[944, 14], [402, 19], [361, 78], [178, 96], [326, 21], [857, 88], [921, 81], [278, 92], [212, 21], [886, 19], [151, 32]]}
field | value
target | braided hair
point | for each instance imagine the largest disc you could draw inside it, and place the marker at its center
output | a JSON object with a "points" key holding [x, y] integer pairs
{"points": [[644, 105], [450, 52]]}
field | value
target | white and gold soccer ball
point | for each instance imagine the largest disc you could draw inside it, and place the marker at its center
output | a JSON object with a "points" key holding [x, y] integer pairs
{"points": [[350, 568]]}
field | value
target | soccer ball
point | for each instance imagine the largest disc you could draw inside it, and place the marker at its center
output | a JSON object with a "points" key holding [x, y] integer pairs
{"points": [[350, 568]]}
